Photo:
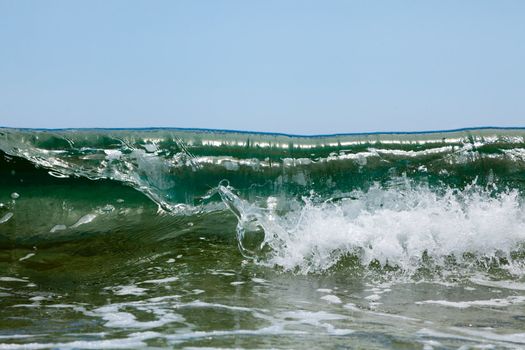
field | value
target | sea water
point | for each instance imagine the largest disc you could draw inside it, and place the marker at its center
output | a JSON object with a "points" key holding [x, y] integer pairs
{"points": [[211, 239]]}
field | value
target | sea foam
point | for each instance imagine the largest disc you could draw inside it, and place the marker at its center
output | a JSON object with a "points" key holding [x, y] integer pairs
{"points": [[397, 226]]}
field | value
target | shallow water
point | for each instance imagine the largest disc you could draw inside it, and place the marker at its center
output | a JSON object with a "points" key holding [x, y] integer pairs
{"points": [[399, 250], [199, 292]]}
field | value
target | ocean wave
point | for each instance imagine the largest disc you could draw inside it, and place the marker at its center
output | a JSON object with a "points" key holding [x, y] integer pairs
{"points": [[303, 204]]}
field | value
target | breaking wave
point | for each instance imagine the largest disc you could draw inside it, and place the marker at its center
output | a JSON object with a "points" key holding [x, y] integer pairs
{"points": [[396, 202]]}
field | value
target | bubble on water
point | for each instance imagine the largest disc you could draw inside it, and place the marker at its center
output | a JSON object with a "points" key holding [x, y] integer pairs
{"points": [[26, 257], [58, 228], [84, 220], [57, 174], [6, 217], [107, 208]]}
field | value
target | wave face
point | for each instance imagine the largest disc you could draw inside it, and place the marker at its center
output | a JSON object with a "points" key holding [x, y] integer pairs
{"points": [[400, 202]]}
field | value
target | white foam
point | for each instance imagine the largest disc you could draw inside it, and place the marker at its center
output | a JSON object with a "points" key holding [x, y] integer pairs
{"points": [[271, 330], [499, 284], [134, 340], [202, 304], [17, 336], [84, 220], [480, 303], [39, 298], [161, 280], [62, 306], [393, 226], [331, 299], [112, 154], [115, 318], [127, 290], [516, 338], [317, 319], [258, 280], [351, 307], [221, 273], [11, 279], [373, 297], [475, 336]]}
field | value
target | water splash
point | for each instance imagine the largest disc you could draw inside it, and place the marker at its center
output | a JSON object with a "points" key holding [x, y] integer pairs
{"points": [[403, 226]]}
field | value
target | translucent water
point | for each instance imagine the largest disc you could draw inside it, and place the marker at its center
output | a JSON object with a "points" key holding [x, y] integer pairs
{"points": [[201, 239]]}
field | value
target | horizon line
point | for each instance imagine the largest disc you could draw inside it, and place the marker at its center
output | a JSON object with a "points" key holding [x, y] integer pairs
{"points": [[269, 133]]}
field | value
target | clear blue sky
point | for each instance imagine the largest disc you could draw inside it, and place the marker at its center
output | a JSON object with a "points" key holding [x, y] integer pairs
{"points": [[288, 66]]}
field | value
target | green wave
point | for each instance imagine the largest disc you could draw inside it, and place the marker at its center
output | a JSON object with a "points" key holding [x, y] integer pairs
{"points": [[178, 167], [162, 180]]}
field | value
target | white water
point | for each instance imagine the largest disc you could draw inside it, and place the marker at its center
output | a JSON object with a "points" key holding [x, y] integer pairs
{"points": [[394, 226]]}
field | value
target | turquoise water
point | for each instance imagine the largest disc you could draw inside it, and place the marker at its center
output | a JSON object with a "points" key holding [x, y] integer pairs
{"points": [[214, 239]]}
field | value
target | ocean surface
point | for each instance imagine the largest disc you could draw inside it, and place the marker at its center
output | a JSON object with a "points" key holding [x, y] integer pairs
{"points": [[195, 239]]}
